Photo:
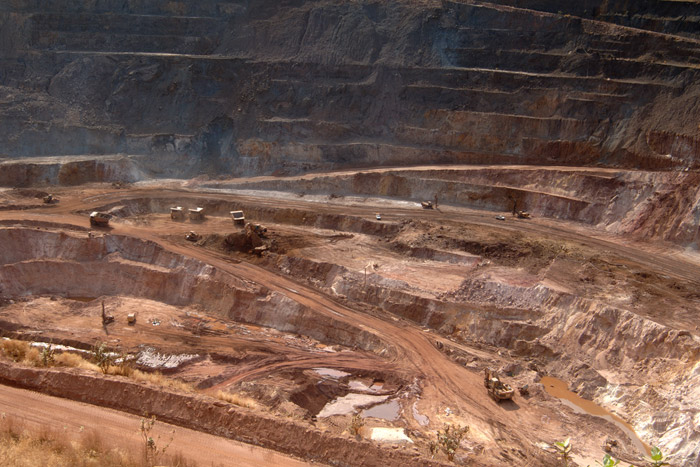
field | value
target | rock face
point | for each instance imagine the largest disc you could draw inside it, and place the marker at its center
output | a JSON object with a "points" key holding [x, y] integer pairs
{"points": [[670, 17], [46, 263], [239, 88]]}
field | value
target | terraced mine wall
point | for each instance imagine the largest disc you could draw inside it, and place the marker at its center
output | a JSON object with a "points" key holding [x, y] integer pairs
{"points": [[642, 204], [655, 366], [666, 16], [68, 171], [239, 88], [39, 262]]}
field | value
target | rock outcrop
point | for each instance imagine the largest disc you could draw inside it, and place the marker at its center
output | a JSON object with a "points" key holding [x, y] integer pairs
{"points": [[225, 87]]}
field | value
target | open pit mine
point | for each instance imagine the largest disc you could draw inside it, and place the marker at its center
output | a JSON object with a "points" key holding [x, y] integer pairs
{"points": [[352, 233]]}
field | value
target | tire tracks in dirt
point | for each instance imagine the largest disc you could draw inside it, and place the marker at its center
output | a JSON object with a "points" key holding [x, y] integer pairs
{"points": [[409, 349]]}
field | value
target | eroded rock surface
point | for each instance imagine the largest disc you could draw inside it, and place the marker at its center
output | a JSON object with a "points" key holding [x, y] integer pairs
{"points": [[243, 89]]}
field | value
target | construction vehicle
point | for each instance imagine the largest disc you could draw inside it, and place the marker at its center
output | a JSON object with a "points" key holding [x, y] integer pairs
{"points": [[259, 250], [258, 229], [496, 388], [193, 236], [48, 199], [426, 204], [176, 213], [610, 444], [238, 217], [523, 215], [197, 214], [131, 319], [106, 319], [99, 219]]}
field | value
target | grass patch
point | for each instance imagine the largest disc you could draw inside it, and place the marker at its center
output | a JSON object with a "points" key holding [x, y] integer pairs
{"points": [[14, 350], [237, 399], [158, 379], [23, 352], [21, 446], [72, 360]]}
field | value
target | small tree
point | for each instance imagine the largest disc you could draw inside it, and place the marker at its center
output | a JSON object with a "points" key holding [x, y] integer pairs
{"points": [[449, 439], [356, 425], [48, 356], [434, 448], [152, 448], [564, 450], [657, 458], [102, 357], [124, 365], [609, 461]]}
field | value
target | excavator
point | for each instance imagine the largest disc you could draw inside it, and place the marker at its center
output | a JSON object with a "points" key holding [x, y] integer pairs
{"points": [[193, 236], [106, 319], [496, 388], [520, 214]]}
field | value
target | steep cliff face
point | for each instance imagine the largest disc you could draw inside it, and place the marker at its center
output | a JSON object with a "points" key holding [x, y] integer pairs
{"points": [[666, 16], [244, 88]]}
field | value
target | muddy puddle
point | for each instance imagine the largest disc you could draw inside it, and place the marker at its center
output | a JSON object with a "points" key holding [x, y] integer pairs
{"points": [[388, 411], [559, 389], [422, 420]]}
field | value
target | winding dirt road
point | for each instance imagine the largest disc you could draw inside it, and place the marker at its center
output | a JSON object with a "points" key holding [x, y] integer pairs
{"points": [[409, 349]]}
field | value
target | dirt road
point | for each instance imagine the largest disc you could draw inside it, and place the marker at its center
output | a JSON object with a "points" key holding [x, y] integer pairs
{"points": [[118, 429], [449, 387], [409, 349]]}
